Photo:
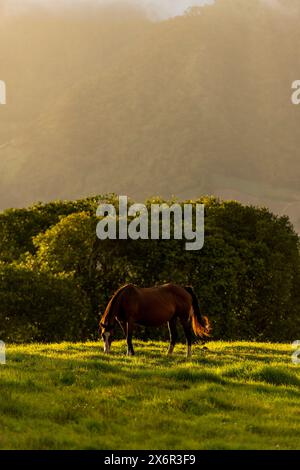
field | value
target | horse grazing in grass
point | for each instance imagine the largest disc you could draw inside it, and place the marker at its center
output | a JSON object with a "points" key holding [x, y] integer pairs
{"points": [[132, 305]]}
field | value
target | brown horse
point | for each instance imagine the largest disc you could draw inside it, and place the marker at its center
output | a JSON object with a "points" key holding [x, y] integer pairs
{"points": [[132, 305]]}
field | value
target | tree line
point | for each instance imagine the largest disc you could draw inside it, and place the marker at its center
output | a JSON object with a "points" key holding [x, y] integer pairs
{"points": [[56, 277]]}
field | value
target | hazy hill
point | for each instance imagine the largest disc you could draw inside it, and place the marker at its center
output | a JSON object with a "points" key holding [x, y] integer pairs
{"points": [[110, 101]]}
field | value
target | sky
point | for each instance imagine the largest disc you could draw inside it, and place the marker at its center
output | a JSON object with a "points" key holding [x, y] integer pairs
{"points": [[168, 8], [160, 9]]}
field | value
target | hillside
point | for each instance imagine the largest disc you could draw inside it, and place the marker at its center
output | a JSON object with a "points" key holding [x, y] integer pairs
{"points": [[111, 101]]}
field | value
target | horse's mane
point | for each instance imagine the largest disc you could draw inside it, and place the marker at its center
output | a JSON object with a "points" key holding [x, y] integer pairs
{"points": [[110, 307]]}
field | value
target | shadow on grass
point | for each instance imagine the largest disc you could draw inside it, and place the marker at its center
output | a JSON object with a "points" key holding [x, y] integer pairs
{"points": [[118, 369]]}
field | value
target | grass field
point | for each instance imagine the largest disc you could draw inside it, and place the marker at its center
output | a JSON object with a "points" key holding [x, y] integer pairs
{"points": [[71, 396]]}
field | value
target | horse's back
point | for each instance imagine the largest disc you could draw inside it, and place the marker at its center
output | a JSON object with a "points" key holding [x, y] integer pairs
{"points": [[153, 306]]}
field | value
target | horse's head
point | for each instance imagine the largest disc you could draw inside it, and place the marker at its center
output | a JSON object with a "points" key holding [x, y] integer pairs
{"points": [[106, 332]]}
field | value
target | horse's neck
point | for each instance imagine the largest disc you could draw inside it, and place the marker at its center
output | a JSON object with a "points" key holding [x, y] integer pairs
{"points": [[110, 319]]}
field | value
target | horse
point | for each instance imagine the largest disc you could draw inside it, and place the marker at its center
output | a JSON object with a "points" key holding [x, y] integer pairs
{"points": [[154, 306]]}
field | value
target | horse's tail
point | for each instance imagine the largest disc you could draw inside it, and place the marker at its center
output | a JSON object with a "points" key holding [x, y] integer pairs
{"points": [[112, 307], [201, 325]]}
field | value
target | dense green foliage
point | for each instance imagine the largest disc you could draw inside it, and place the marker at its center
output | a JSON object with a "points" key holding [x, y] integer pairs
{"points": [[72, 396], [38, 306], [19, 226], [56, 276]]}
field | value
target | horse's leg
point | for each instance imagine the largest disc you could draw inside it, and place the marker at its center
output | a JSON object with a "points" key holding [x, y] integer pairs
{"points": [[173, 334], [130, 350], [188, 333], [123, 326]]}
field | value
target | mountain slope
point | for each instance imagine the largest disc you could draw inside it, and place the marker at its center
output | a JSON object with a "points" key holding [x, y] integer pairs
{"points": [[197, 104]]}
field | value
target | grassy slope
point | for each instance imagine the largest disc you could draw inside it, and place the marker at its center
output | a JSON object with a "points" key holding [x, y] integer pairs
{"points": [[236, 396]]}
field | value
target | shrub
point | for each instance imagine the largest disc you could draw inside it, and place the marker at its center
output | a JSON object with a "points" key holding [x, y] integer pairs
{"points": [[37, 306]]}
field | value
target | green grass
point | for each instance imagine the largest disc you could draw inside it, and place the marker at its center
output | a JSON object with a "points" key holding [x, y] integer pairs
{"points": [[71, 396]]}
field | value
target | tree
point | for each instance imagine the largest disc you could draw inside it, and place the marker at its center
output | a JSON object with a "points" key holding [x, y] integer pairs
{"points": [[37, 306], [247, 276]]}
